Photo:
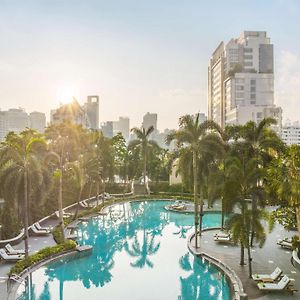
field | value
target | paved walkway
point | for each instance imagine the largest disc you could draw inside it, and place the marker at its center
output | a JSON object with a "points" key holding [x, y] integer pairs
{"points": [[264, 261]]}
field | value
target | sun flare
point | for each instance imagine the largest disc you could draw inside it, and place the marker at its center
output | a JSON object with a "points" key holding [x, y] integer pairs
{"points": [[66, 94]]}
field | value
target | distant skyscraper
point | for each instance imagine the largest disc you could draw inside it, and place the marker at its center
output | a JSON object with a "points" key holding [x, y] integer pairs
{"points": [[150, 119], [123, 126], [107, 129], [241, 81], [16, 120], [71, 112], [37, 121], [290, 133], [91, 108]]}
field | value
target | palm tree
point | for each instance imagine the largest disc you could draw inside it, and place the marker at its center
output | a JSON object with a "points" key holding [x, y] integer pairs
{"points": [[143, 143], [20, 156], [78, 171], [262, 143], [239, 191], [284, 180], [198, 139]]}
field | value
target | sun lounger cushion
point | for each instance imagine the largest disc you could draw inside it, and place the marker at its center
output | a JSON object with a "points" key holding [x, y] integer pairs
{"points": [[273, 276]]}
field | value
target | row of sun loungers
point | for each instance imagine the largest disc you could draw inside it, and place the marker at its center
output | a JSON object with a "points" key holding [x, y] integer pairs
{"points": [[274, 281], [285, 243], [37, 229], [8, 253]]}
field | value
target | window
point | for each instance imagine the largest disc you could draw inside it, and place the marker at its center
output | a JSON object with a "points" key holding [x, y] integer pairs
{"points": [[239, 88], [247, 56], [239, 80], [252, 96], [248, 64], [240, 95], [259, 115], [252, 102], [253, 89], [253, 81], [248, 50]]}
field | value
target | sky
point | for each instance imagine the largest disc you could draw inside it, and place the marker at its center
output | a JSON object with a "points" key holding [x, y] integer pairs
{"points": [[138, 55]]}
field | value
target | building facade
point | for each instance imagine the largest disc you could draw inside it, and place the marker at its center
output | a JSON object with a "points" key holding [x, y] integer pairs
{"points": [[150, 119], [37, 121], [16, 120], [241, 81], [91, 108], [123, 126], [290, 133]]}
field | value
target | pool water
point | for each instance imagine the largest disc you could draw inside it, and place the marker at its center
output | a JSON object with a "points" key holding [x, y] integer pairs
{"points": [[139, 252]]}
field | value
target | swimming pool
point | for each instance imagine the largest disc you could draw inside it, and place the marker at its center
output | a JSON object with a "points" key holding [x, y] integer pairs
{"points": [[139, 252]]}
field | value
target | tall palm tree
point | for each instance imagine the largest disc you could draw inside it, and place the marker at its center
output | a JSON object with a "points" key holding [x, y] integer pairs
{"points": [[143, 143], [262, 144], [239, 191], [79, 173], [200, 140], [284, 180], [21, 161]]}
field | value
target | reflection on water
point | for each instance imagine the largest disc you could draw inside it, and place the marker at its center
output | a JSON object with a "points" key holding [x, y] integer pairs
{"points": [[139, 252]]}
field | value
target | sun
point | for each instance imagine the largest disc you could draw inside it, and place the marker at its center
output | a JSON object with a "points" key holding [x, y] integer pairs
{"points": [[66, 94]]}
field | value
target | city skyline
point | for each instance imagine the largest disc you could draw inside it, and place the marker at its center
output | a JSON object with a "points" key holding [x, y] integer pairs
{"points": [[117, 54]]}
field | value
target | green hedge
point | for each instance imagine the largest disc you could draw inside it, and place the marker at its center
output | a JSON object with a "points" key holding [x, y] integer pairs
{"points": [[40, 255]]}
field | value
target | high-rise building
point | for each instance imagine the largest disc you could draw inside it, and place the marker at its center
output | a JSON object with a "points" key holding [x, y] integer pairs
{"points": [[71, 112], [123, 126], [150, 119], [16, 120], [37, 121], [107, 129], [91, 108], [290, 133], [241, 81]]}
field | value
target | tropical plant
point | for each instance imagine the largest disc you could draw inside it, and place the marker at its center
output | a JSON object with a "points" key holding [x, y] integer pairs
{"points": [[142, 144], [199, 141], [284, 181], [21, 170]]}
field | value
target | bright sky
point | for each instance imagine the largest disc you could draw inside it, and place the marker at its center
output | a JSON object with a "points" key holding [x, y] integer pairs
{"points": [[138, 55]]}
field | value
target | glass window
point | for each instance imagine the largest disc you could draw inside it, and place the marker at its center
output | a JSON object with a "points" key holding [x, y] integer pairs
{"points": [[253, 81]]}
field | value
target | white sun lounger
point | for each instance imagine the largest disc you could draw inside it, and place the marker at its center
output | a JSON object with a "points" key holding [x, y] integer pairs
{"points": [[285, 243], [222, 234], [65, 214], [10, 257], [35, 231], [11, 251], [39, 227], [222, 239], [268, 277], [279, 286]]}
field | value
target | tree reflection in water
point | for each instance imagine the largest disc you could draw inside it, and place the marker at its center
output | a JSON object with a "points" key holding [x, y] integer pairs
{"points": [[136, 232]]}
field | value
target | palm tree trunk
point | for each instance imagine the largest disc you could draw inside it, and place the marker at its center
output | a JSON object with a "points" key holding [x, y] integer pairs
{"points": [[144, 171], [60, 207], [90, 192], [98, 192], [298, 220], [195, 197], [249, 260], [201, 213], [26, 211], [222, 215], [242, 259], [78, 201]]}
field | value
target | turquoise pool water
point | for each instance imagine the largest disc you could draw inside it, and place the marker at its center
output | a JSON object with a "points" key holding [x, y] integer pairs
{"points": [[139, 252]]}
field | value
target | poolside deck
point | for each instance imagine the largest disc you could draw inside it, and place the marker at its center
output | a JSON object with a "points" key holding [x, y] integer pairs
{"points": [[264, 261]]}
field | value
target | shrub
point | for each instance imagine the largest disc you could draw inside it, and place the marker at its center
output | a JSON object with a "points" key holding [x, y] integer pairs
{"points": [[40, 255]]}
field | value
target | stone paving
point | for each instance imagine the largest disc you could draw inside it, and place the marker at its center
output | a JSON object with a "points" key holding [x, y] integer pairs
{"points": [[265, 260]]}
